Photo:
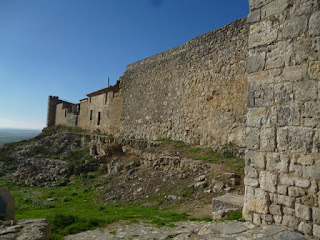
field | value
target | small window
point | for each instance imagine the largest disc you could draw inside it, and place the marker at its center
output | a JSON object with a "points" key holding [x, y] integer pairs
{"points": [[91, 115], [65, 113], [89, 99], [106, 98], [99, 115]]}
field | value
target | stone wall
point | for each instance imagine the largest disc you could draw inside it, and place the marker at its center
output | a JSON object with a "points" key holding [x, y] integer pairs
{"points": [[83, 114], [195, 92], [283, 120]]}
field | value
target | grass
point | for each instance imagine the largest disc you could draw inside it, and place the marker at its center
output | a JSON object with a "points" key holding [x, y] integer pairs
{"points": [[234, 216], [69, 213]]}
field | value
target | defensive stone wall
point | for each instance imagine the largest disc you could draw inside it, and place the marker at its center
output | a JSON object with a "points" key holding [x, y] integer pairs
{"points": [[283, 121], [195, 92]]}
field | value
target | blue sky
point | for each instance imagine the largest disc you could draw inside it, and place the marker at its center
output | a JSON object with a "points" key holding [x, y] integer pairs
{"points": [[68, 48]]}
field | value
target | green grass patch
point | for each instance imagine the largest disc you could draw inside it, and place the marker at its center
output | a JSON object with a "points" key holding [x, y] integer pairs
{"points": [[78, 208], [232, 216]]}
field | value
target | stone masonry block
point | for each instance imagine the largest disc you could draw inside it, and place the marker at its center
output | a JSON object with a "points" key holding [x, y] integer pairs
{"points": [[278, 54], [274, 8], [305, 228], [253, 138], [283, 190], [300, 139], [296, 192], [254, 16], [251, 172], [267, 139], [288, 115], [277, 162], [316, 215], [288, 211], [306, 90], [303, 50], [262, 33], [255, 159], [311, 171], [283, 93], [314, 70], [283, 138], [275, 209], [293, 73], [284, 200], [251, 182], [254, 4], [311, 114], [260, 95], [268, 181], [316, 231], [256, 218], [303, 212], [302, 182], [261, 201], [314, 24], [290, 222], [307, 6], [295, 27], [257, 117], [287, 179], [256, 61]]}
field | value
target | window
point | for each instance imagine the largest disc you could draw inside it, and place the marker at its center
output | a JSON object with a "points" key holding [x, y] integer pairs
{"points": [[91, 115], [106, 98], [65, 113], [89, 99], [99, 115]]}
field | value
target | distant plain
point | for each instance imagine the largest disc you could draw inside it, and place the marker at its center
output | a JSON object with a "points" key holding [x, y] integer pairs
{"points": [[14, 135]]}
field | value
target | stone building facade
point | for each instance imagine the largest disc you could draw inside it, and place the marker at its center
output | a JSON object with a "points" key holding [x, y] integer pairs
{"points": [[254, 82]]}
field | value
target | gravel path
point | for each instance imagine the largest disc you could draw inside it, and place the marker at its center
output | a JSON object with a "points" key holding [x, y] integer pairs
{"points": [[189, 230]]}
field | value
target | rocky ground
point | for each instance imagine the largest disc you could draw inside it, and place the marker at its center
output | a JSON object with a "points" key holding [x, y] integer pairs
{"points": [[232, 230], [33, 229]]}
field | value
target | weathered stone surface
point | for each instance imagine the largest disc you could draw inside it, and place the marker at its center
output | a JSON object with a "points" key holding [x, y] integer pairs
{"points": [[254, 4], [305, 228], [251, 182], [290, 222], [296, 192], [7, 205], [303, 212], [268, 139], [295, 27], [254, 16], [268, 181], [314, 24], [277, 162], [262, 33], [314, 70], [316, 215], [306, 90], [275, 209], [261, 201], [256, 61], [283, 200], [279, 54], [316, 230], [31, 229], [274, 8]]}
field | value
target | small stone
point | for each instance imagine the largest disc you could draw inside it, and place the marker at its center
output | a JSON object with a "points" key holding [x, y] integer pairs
{"points": [[303, 212]]}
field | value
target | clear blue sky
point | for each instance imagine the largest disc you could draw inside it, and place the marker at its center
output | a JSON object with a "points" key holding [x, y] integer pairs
{"points": [[67, 48]]}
